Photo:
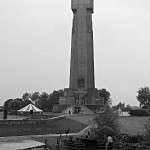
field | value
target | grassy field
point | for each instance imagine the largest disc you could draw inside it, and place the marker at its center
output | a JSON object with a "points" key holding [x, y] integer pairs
{"points": [[76, 123], [129, 125], [58, 127], [132, 125]]}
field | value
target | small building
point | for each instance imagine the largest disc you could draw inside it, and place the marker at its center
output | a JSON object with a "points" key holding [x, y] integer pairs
{"points": [[124, 111], [138, 111]]}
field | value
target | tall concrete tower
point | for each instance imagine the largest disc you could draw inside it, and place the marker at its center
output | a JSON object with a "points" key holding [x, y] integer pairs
{"points": [[82, 58], [81, 91]]}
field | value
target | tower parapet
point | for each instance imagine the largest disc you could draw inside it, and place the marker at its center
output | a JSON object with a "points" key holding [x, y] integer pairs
{"points": [[75, 4]]}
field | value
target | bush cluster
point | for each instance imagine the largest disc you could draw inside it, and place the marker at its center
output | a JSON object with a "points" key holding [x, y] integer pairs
{"points": [[106, 118], [125, 138]]}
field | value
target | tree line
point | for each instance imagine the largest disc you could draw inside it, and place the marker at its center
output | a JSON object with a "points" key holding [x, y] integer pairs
{"points": [[44, 100]]}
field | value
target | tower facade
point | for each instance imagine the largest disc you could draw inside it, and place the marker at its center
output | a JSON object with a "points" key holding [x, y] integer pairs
{"points": [[81, 89], [82, 58]]}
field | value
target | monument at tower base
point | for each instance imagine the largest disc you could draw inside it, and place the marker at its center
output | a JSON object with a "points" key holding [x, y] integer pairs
{"points": [[79, 101], [81, 96]]}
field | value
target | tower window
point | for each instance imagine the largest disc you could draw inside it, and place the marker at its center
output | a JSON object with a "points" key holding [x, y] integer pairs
{"points": [[80, 83]]}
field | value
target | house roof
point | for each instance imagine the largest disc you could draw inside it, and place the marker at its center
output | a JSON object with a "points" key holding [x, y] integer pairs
{"points": [[125, 109]]}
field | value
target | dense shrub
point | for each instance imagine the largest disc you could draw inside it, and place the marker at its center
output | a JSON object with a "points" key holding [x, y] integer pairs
{"points": [[13, 112], [131, 138], [15, 105], [107, 118]]}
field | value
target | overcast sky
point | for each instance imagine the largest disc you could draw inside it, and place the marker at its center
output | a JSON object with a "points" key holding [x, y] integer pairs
{"points": [[35, 44]]}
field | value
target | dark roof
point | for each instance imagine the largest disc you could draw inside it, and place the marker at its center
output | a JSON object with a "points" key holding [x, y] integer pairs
{"points": [[126, 109]]}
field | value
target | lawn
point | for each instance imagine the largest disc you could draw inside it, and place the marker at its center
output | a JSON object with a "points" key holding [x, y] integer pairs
{"points": [[58, 127], [132, 125], [76, 123], [129, 125]]}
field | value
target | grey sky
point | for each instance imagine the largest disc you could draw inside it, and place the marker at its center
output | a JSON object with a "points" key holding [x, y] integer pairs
{"points": [[35, 43]]}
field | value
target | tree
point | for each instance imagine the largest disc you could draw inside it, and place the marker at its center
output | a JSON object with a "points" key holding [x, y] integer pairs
{"points": [[38, 103], [19, 99], [107, 118], [120, 105], [6, 103], [105, 94], [144, 97], [26, 102], [43, 101], [128, 105], [15, 105], [54, 98], [35, 96], [26, 96]]}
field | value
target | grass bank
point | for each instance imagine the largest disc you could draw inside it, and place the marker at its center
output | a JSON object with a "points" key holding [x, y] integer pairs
{"points": [[58, 127], [129, 125]]}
